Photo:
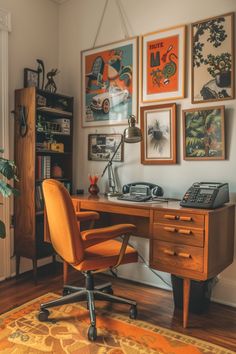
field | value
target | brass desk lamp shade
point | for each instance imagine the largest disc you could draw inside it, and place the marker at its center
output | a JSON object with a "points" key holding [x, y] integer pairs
{"points": [[132, 134]]}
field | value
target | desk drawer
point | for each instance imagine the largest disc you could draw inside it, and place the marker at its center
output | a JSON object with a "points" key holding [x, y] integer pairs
{"points": [[174, 256], [178, 234], [185, 219]]}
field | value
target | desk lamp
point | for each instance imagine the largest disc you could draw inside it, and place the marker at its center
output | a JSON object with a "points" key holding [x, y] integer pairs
{"points": [[132, 134]]}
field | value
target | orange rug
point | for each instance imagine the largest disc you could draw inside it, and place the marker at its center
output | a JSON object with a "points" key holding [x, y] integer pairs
{"points": [[21, 332]]}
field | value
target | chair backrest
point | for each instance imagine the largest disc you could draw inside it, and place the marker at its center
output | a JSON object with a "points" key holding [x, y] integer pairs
{"points": [[63, 227]]}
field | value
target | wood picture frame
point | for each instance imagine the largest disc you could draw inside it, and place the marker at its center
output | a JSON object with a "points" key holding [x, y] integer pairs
{"points": [[31, 78], [213, 61], [109, 83], [163, 65], [204, 133], [158, 125], [101, 147]]}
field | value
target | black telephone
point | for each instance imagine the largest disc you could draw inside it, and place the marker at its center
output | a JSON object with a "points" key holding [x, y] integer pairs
{"points": [[140, 191], [206, 195]]}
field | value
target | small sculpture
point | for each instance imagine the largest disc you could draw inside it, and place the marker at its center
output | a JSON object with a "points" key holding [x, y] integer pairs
{"points": [[41, 72], [50, 85]]}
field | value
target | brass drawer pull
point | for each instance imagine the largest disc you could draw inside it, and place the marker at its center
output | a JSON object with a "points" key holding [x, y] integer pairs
{"points": [[169, 252], [170, 217], [185, 218], [184, 255], [185, 232], [170, 229]]}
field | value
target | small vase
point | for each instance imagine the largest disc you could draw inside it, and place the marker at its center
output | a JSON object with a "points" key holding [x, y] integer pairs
{"points": [[93, 189]]}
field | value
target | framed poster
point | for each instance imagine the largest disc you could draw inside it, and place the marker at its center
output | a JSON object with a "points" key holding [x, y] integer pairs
{"points": [[213, 59], [101, 147], [158, 124], [109, 83], [204, 133], [31, 78], [163, 64]]}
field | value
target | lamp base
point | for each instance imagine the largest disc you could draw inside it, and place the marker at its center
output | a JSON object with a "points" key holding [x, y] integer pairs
{"points": [[113, 194]]}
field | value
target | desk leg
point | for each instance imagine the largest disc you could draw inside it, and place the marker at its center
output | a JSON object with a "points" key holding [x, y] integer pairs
{"points": [[186, 294]]}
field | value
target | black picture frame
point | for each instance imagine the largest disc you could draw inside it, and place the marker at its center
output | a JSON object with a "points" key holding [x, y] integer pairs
{"points": [[102, 146], [31, 78]]}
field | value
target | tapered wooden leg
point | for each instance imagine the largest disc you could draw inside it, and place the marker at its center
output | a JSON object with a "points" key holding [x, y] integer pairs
{"points": [[34, 260], [186, 294], [17, 265], [65, 273]]}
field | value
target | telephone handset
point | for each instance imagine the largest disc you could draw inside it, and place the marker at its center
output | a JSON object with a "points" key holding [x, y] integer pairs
{"points": [[143, 188]]}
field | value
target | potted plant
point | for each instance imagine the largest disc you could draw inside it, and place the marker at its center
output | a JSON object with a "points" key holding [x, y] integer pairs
{"points": [[220, 68], [7, 174]]}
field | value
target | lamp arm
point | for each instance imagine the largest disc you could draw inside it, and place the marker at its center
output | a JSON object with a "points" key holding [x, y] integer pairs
{"points": [[111, 159]]}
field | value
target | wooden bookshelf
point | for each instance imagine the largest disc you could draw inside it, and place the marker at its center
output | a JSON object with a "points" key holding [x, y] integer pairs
{"points": [[44, 142]]}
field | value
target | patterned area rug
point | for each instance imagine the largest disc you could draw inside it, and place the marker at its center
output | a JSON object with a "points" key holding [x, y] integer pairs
{"points": [[21, 332]]}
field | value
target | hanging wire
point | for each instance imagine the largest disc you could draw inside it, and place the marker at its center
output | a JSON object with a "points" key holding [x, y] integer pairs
{"points": [[122, 19], [100, 23]]}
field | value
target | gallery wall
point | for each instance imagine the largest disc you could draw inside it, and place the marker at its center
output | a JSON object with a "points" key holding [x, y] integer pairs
{"points": [[78, 27]]}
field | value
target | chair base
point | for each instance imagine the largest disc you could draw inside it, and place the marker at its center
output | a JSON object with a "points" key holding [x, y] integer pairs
{"points": [[90, 294]]}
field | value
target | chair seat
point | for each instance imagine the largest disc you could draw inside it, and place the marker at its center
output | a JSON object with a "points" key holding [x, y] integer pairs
{"points": [[105, 255]]}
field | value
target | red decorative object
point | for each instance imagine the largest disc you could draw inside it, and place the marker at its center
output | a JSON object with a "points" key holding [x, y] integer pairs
{"points": [[93, 188]]}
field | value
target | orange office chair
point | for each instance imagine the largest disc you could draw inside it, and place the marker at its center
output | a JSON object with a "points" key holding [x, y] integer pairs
{"points": [[82, 217], [89, 251]]}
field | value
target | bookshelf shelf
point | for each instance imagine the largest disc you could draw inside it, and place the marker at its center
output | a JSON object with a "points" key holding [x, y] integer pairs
{"points": [[36, 154]]}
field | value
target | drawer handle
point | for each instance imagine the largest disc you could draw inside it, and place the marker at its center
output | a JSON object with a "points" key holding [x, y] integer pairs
{"points": [[184, 255], [170, 229], [185, 232], [185, 218], [169, 252], [170, 217]]}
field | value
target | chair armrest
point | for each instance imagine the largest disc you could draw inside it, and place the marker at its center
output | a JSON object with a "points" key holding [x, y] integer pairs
{"points": [[107, 233], [86, 215]]}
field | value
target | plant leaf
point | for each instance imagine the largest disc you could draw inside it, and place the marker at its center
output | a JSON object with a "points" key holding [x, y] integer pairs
{"points": [[7, 168], [6, 189], [2, 229]]}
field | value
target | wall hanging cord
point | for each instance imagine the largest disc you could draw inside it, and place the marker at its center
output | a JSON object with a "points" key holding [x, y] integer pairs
{"points": [[122, 17]]}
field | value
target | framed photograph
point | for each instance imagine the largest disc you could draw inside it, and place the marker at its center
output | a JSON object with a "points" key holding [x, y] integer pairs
{"points": [[163, 64], [158, 124], [204, 133], [101, 147], [109, 83], [213, 59], [31, 78]]}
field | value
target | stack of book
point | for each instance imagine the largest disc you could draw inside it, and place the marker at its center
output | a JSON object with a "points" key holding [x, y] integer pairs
{"points": [[43, 167], [39, 202]]}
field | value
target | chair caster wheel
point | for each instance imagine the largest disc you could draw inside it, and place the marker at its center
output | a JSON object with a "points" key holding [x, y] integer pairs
{"points": [[66, 292], [92, 333], [43, 315], [133, 312]]}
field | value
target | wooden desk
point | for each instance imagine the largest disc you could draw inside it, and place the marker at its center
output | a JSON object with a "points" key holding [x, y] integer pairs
{"points": [[194, 244]]}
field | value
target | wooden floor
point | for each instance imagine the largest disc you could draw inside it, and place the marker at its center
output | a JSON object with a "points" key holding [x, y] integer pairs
{"points": [[218, 325]]}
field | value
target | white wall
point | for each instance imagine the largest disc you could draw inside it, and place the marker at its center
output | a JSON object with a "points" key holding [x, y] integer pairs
{"points": [[78, 24], [34, 35]]}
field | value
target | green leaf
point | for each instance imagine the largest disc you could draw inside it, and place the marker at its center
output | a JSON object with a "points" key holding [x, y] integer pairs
{"points": [[7, 168], [6, 189], [2, 229]]}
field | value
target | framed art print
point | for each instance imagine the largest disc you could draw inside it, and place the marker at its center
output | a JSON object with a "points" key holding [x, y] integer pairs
{"points": [[158, 124], [163, 64], [204, 133], [213, 59], [101, 147], [31, 78], [109, 83]]}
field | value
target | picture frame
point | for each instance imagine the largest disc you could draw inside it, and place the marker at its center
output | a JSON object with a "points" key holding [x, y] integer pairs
{"points": [[101, 147], [213, 61], [163, 64], [109, 83], [204, 133], [158, 125], [31, 78]]}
